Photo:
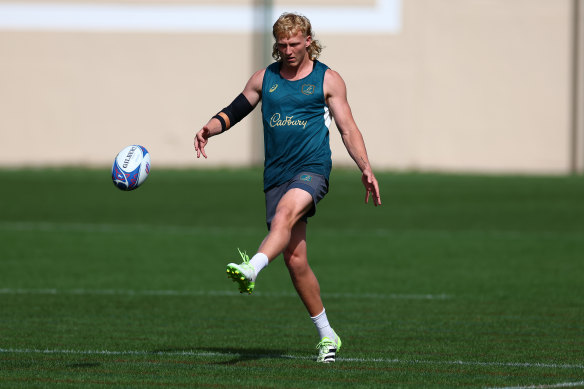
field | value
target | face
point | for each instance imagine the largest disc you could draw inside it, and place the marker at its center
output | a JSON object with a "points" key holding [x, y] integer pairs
{"points": [[293, 48]]}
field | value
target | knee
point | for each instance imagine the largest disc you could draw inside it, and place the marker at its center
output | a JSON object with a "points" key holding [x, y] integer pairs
{"points": [[282, 219]]}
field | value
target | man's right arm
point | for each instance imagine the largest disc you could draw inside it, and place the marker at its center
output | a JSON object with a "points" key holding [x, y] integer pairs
{"points": [[232, 114]]}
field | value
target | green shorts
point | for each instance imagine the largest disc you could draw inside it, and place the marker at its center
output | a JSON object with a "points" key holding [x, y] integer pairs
{"points": [[313, 183]]}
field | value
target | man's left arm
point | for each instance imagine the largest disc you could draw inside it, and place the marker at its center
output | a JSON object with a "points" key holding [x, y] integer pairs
{"points": [[336, 99]]}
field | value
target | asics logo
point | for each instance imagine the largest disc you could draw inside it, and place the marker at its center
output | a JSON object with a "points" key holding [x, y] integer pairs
{"points": [[273, 88]]}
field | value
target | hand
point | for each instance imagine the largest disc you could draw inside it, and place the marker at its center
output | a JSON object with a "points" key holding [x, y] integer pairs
{"points": [[371, 187], [201, 139]]}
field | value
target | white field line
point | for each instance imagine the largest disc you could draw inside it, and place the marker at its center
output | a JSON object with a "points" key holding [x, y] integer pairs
{"points": [[549, 386], [49, 227], [194, 353], [105, 228], [171, 229], [123, 228], [210, 293]]}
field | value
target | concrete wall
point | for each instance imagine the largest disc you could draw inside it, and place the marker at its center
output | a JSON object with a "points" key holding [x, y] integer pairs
{"points": [[449, 85]]}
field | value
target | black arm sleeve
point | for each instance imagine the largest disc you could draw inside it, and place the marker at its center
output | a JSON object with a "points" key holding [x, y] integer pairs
{"points": [[234, 112]]}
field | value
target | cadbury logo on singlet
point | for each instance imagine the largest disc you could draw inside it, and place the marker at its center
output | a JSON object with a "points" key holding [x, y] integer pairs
{"points": [[277, 121]]}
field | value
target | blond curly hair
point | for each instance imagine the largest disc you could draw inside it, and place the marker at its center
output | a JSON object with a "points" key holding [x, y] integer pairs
{"points": [[289, 24]]}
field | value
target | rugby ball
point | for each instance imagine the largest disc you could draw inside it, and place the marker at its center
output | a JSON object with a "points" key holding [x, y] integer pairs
{"points": [[131, 167]]}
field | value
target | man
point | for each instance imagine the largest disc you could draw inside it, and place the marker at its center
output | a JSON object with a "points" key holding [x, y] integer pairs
{"points": [[298, 95]]}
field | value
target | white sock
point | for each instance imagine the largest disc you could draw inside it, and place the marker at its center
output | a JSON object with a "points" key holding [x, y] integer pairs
{"points": [[323, 326], [259, 261]]}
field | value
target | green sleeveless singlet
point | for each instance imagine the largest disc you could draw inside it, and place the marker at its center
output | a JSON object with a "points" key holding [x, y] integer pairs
{"points": [[296, 125]]}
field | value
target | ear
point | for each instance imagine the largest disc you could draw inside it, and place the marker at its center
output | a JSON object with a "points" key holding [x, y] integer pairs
{"points": [[308, 41]]}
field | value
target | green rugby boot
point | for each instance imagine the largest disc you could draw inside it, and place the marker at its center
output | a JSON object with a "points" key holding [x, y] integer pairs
{"points": [[327, 349], [244, 274]]}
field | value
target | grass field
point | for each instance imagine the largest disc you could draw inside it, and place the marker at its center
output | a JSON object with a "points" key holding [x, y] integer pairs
{"points": [[455, 281]]}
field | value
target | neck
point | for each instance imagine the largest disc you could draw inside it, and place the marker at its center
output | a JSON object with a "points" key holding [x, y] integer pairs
{"points": [[297, 72]]}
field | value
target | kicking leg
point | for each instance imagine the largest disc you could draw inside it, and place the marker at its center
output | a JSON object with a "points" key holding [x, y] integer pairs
{"points": [[291, 207]]}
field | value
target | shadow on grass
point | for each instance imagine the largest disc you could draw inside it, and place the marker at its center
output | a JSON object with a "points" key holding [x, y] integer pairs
{"points": [[235, 355]]}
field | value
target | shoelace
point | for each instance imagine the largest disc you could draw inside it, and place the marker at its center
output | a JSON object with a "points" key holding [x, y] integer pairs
{"points": [[244, 256], [326, 342]]}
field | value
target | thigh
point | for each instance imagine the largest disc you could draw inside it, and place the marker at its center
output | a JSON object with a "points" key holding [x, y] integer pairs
{"points": [[292, 206], [314, 184]]}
